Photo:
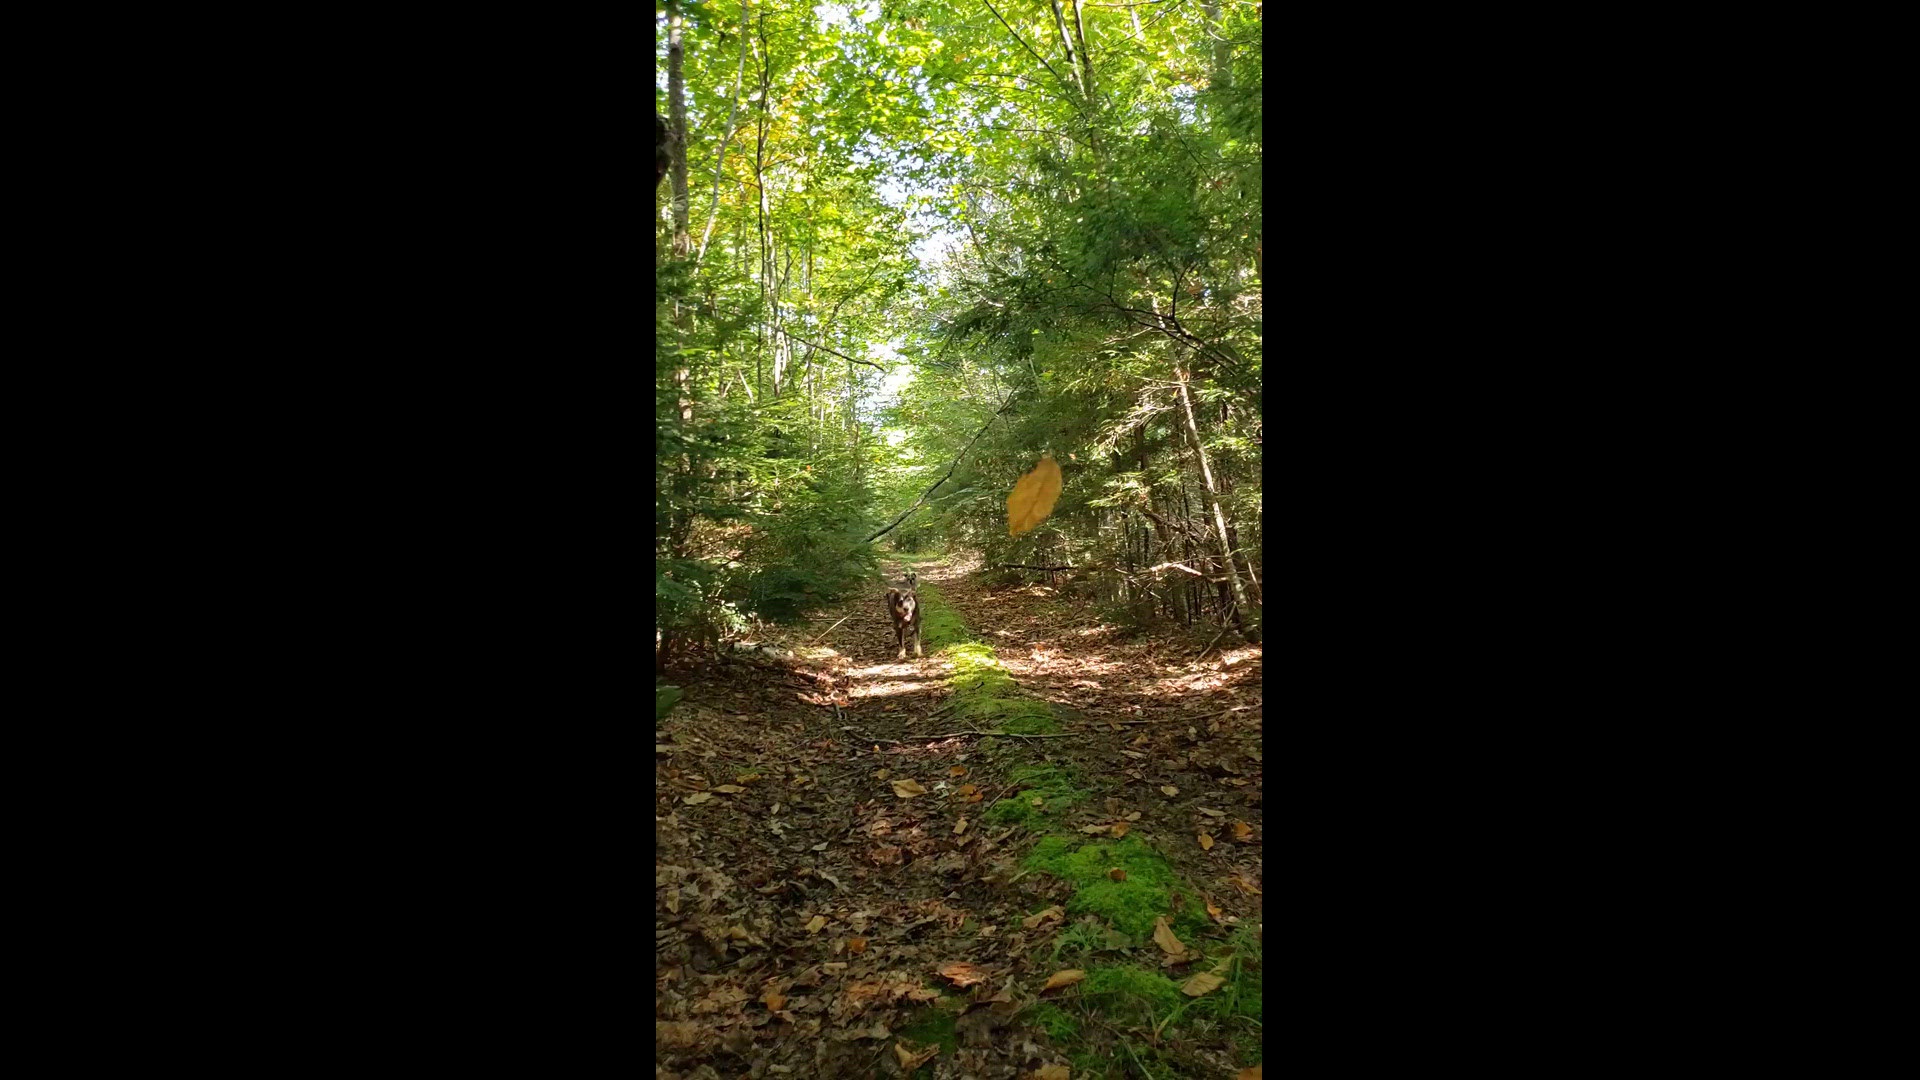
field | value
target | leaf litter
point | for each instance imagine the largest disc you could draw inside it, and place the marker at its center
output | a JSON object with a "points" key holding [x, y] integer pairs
{"points": [[827, 903]]}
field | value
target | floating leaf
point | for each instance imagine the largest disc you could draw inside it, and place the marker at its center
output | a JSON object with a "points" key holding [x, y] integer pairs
{"points": [[1033, 496]]}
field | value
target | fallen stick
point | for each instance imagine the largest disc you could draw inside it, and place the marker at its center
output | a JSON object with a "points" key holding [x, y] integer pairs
{"points": [[844, 618]]}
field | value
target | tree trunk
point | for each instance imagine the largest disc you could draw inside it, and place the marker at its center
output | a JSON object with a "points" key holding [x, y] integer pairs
{"points": [[1249, 628], [677, 114], [720, 160]]}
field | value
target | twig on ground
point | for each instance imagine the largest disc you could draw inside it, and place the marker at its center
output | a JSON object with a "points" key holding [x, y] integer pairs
{"points": [[1178, 719], [844, 618]]}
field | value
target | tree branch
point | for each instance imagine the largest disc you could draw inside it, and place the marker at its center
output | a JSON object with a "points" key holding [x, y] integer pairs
{"points": [[956, 464]]}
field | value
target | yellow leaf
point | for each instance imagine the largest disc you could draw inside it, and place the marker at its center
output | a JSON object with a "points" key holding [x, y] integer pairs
{"points": [[697, 798], [1049, 1072], [907, 789], [1033, 497], [729, 789], [1064, 978], [1251, 1072], [957, 770], [1206, 842], [775, 1000], [815, 924], [1120, 829], [1169, 790], [1242, 831], [1202, 983], [960, 826]]}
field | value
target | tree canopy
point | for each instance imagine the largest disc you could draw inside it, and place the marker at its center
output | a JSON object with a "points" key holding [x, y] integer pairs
{"points": [[903, 252]]}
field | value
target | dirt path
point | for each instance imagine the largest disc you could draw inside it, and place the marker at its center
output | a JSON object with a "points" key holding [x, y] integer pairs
{"points": [[852, 881]]}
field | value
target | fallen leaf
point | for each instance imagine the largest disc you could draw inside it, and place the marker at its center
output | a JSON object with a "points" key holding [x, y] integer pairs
{"points": [[913, 1059], [907, 789], [697, 798], [1164, 937], [1202, 983], [1213, 813], [775, 1000], [1117, 874], [746, 778], [961, 973], [960, 826], [1206, 842], [1063, 978], [1242, 831], [957, 770], [1038, 803], [1091, 829], [1050, 1072], [1213, 911], [1251, 1072], [1245, 886], [1135, 816], [1034, 920], [730, 789], [1120, 828], [857, 945], [1169, 790], [815, 925]]}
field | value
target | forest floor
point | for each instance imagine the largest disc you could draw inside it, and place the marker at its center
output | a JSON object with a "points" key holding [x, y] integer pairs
{"points": [[854, 878]]}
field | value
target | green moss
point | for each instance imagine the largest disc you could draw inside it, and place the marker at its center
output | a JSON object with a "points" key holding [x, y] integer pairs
{"points": [[933, 1025], [1132, 994], [1054, 785], [1062, 1028], [985, 695], [1129, 906]]}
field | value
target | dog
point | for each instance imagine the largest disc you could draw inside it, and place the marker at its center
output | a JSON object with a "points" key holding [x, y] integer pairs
{"points": [[903, 607]]}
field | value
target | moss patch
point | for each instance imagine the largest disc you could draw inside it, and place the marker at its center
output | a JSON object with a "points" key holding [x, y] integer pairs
{"points": [[986, 697], [1129, 906], [933, 1025], [1055, 786]]}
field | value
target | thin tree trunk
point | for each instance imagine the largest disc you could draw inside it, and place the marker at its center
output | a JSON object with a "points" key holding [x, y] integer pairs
{"points": [[1248, 627], [720, 160], [677, 114]]}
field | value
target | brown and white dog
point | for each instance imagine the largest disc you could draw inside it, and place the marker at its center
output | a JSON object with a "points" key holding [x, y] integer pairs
{"points": [[904, 609]]}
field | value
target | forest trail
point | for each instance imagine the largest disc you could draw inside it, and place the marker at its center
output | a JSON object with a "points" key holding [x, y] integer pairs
{"points": [[1038, 847]]}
